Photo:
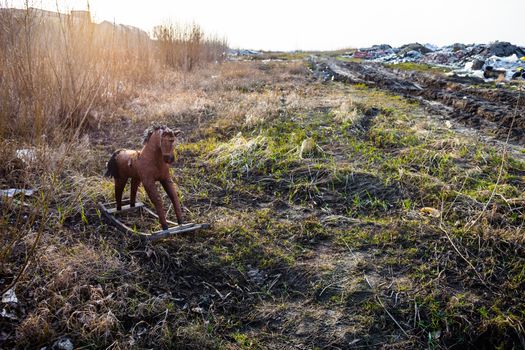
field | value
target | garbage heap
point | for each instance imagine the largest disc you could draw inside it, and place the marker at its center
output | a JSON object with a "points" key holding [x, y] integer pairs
{"points": [[496, 61]]}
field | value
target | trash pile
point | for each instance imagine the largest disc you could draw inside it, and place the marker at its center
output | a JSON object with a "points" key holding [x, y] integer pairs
{"points": [[241, 52], [495, 61]]}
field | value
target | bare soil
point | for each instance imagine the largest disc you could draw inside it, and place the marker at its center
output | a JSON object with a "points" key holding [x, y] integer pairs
{"points": [[492, 110]]}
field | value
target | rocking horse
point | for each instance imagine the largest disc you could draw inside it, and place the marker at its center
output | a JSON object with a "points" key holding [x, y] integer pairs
{"points": [[147, 166]]}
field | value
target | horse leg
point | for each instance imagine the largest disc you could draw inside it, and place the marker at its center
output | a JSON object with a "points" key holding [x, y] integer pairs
{"points": [[135, 182], [120, 184], [154, 196], [169, 187]]}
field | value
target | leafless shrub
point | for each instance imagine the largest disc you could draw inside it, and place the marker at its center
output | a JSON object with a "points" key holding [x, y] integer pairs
{"points": [[56, 69], [186, 47]]}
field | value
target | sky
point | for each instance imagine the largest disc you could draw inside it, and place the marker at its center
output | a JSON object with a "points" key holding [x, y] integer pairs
{"points": [[322, 24]]}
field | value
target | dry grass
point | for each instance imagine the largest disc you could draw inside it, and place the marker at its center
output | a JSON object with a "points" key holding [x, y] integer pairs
{"points": [[62, 77], [316, 192], [58, 71], [61, 74], [187, 47]]}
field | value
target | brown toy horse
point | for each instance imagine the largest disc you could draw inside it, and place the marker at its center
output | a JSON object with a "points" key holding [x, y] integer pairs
{"points": [[147, 166]]}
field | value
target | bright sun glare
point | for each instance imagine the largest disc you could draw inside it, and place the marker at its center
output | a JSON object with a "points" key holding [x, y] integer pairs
{"points": [[331, 24]]}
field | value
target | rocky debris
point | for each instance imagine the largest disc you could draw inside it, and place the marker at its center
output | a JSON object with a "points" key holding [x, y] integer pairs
{"points": [[477, 64], [458, 47], [374, 52], [504, 49], [491, 73], [495, 61], [417, 47], [319, 71], [240, 52]]}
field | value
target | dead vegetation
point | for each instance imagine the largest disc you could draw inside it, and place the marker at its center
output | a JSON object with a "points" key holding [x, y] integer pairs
{"points": [[342, 217], [58, 72], [62, 73], [185, 47]]}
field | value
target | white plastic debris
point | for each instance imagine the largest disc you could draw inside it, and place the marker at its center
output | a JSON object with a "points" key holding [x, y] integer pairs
{"points": [[509, 59], [11, 192], [198, 310], [9, 296], [7, 314], [27, 155]]}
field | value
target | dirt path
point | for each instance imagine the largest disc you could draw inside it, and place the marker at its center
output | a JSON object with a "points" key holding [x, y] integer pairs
{"points": [[493, 111]]}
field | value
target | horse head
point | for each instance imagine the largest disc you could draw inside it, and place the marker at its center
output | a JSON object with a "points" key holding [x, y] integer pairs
{"points": [[164, 137], [167, 141]]}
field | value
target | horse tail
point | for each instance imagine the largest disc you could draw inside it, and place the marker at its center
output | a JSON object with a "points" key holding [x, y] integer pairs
{"points": [[112, 166]]}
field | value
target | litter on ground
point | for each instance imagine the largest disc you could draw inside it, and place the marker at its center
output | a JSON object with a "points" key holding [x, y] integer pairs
{"points": [[495, 61], [11, 192]]}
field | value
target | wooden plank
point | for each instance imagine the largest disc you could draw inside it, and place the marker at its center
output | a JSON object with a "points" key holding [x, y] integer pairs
{"points": [[126, 207], [108, 213], [113, 220], [176, 230], [114, 204], [179, 227]]}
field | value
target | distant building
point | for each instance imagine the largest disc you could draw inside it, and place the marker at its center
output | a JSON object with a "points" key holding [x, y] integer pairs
{"points": [[81, 16], [77, 17]]}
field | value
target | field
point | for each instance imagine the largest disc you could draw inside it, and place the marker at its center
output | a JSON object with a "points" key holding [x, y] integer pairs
{"points": [[343, 216]]}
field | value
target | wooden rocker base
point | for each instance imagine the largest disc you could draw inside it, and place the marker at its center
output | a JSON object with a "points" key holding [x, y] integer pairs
{"points": [[110, 211]]}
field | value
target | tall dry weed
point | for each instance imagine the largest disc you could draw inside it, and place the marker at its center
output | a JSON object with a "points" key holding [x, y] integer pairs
{"points": [[56, 69], [186, 47]]}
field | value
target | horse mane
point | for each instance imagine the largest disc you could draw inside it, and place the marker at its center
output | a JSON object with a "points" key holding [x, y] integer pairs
{"points": [[155, 127], [112, 166]]}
